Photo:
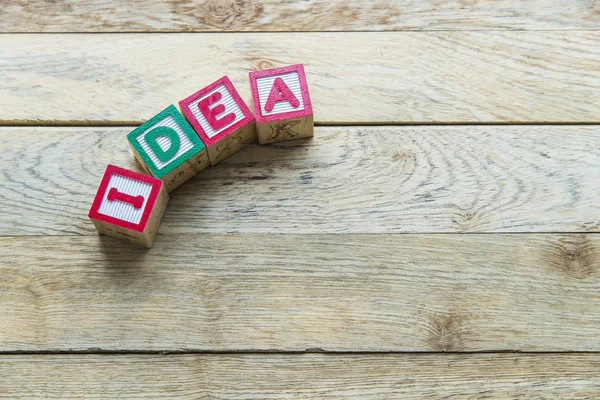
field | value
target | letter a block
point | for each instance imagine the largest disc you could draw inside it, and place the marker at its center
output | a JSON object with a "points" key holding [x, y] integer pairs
{"points": [[168, 148], [221, 118], [281, 104], [129, 205]]}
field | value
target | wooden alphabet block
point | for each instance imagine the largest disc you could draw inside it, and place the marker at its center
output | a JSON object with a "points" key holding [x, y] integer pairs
{"points": [[281, 104], [221, 118], [129, 205], [168, 148]]}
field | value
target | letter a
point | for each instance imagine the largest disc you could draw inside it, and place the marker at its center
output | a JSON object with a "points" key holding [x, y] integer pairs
{"points": [[280, 92]]}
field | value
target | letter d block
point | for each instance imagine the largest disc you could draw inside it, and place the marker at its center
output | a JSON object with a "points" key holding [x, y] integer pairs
{"points": [[281, 104], [221, 118], [168, 148], [129, 205]]}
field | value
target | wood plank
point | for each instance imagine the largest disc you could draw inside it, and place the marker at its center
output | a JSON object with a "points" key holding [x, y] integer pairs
{"points": [[380, 292], [356, 179], [280, 376], [376, 78], [311, 15]]}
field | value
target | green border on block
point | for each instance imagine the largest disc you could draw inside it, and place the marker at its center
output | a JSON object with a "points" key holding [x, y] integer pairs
{"points": [[197, 143]]}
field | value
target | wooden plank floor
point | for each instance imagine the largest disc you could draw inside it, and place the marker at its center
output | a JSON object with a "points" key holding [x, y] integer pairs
{"points": [[384, 78], [437, 238]]}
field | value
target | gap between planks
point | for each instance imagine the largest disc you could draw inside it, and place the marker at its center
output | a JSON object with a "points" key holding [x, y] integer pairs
{"points": [[277, 352], [288, 31], [262, 234], [126, 124]]}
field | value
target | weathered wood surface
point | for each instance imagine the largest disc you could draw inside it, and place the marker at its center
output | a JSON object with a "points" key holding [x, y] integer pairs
{"points": [[296, 292], [354, 179], [294, 247], [307, 376], [374, 78], [311, 15]]}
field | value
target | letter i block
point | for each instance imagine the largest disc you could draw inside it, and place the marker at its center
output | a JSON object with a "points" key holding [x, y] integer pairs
{"points": [[168, 148], [129, 205], [221, 118], [281, 104]]}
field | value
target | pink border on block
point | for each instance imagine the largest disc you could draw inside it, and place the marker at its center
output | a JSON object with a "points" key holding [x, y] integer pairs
{"points": [[299, 68], [185, 108], [112, 170]]}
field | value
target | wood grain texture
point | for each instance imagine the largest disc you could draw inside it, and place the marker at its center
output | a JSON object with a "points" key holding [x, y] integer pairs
{"points": [[307, 376], [366, 78], [311, 15], [297, 292], [344, 180]]}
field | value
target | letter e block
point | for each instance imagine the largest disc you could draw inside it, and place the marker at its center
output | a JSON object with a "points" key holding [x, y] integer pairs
{"points": [[281, 104], [221, 118], [129, 205], [168, 148]]}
